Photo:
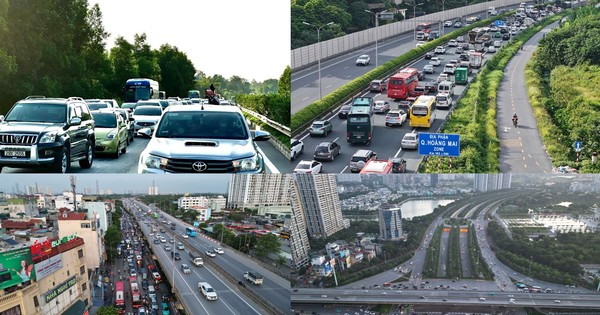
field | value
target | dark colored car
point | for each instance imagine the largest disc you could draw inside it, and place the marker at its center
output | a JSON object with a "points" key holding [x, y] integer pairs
{"points": [[343, 113], [506, 36], [327, 150], [48, 133], [428, 55]]}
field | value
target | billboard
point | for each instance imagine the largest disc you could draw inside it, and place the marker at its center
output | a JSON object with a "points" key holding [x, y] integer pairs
{"points": [[48, 266], [16, 266]]}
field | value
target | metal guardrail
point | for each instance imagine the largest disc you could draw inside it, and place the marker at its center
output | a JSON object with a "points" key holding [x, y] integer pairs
{"points": [[273, 124]]}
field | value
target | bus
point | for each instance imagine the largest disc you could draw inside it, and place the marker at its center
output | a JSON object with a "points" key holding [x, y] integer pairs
{"points": [[190, 231], [424, 27], [136, 295], [422, 112], [120, 296], [193, 94], [141, 89], [359, 127], [403, 83]]}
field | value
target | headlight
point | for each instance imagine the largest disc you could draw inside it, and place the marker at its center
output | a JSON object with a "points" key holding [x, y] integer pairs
{"points": [[247, 164], [111, 135], [48, 137], [151, 161]]}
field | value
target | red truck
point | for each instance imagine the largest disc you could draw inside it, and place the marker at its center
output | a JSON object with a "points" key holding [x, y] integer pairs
{"points": [[155, 274]]}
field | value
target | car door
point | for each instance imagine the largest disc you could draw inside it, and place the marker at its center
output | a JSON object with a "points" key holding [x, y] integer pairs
{"points": [[328, 126], [337, 148], [122, 127], [77, 133]]}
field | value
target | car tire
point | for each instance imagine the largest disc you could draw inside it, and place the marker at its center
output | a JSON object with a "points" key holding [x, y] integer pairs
{"points": [[89, 157], [117, 152], [124, 150], [62, 164]]}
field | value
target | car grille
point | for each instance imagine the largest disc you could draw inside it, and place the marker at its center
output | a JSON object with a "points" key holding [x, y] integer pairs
{"points": [[186, 166], [18, 138], [144, 123]]}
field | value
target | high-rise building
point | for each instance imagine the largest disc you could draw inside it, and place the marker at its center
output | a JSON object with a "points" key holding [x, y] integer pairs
{"points": [[299, 245], [317, 196], [489, 182], [259, 191], [153, 190], [390, 224], [433, 179]]}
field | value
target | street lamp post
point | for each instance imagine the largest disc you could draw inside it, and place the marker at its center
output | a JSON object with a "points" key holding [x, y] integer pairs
{"points": [[376, 15], [415, 5], [443, 16], [318, 44]]}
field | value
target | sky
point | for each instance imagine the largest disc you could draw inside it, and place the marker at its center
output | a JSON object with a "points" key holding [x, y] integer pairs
{"points": [[120, 183], [250, 39]]}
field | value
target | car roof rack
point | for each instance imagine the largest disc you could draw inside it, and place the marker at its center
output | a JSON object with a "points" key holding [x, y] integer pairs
{"points": [[75, 98], [32, 97]]}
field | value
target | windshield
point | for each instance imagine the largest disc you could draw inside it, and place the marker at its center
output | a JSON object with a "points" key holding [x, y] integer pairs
{"points": [[148, 104], [105, 120], [441, 99], [396, 82], [137, 93], [410, 138], [148, 111], [97, 106], [322, 149], [38, 112], [202, 124], [303, 166], [358, 119], [317, 126]]}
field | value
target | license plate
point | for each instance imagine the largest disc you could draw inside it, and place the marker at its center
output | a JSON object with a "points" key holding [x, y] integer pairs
{"points": [[358, 137], [14, 153]]}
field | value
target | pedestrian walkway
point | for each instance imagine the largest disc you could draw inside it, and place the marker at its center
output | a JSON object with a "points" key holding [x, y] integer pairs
{"points": [[521, 147]]}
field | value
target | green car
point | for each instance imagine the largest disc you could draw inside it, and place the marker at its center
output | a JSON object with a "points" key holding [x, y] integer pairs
{"points": [[111, 132], [497, 35], [165, 309]]}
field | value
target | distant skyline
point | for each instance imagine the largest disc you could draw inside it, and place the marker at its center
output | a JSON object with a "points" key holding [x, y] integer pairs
{"points": [[120, 183], [250, 39]]}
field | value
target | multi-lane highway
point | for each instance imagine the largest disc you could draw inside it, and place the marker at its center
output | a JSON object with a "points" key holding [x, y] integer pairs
{"points": [[386, 140], [275, 162], [275, 290]]}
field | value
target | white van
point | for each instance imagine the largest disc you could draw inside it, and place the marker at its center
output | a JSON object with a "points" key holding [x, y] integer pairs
{"points": [[443, 100], [151, 291], [446, 86]]}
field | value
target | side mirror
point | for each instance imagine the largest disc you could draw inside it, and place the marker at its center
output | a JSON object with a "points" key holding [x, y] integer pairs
{"points": [[131, 119], [260, 135], [75, 121], [145, 132], [2, 118]]}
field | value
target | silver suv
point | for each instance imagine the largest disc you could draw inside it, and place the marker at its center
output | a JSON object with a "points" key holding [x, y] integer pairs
{"points": [[202, 139], [360, 158]]}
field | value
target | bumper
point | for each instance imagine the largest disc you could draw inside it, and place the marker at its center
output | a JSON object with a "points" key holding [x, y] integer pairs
{"points": [[107, 146], [37, 155]]}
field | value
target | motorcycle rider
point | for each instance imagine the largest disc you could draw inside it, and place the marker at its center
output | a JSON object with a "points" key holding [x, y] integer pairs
{"points": [[515, 119]]}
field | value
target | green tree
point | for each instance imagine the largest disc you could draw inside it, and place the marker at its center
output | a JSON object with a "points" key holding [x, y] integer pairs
{"points": [[266, 244], [107, 310], [280, 261], [177, 71], [112, 237], [145, 57], [285, 80], [123, 63]]}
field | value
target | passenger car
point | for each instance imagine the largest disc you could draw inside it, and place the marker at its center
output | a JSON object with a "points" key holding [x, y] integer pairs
{"points": [[208, 291], [381, 107], [202, 139], [395, 117], [458, 24], [360, 158], [452, 43], [421, 43], [344, 110], [447, 23], [167, 247], [449, 68], [440, 50], [497, 44], [146, 117], [435, 61], [410, 141], [377, 86], [129, 122], [442, 77], [297, 148], [320, 127], [428, 69], [111, 132], [210, 253], [97, 104], [363, 60], [308, 167], [327, 150], [218, 250], [47, 133]]}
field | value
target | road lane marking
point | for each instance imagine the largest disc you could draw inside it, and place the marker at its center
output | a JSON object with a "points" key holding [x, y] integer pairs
{"points": [[268, 162], [304, 99], [344, 169], [328, 86]]}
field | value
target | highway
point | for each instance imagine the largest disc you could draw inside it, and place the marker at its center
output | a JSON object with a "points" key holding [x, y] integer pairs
{"points": [[275, 162], [386, 140], [275, 289], [521, 148]]}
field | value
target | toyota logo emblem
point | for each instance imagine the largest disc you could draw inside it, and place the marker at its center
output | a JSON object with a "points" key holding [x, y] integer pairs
{"points": [[199, 166]]}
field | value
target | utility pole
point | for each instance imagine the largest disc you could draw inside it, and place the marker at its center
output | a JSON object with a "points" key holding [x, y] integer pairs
{"points": [[73, 187]]}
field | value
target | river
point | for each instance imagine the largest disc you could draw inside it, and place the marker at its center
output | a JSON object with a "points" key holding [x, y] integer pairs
{"points": [[410, 209]]}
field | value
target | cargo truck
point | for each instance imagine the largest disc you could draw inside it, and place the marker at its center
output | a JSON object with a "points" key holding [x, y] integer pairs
{"points": [[476, 59], [254, 277], [196, 260], [461, 75]]}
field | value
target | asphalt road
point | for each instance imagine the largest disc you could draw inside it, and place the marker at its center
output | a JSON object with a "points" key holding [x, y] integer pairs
{"points": [[521, 148], [275, 289], [386, 140], [275, 162]]}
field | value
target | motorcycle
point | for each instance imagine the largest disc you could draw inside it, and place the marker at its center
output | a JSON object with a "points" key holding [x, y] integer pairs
{"points": [[515, 122]]}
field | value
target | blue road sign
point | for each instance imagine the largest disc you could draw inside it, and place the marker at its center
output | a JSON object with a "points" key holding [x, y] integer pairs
{"points": [[498, 23], [440, 144], [578, 145]]}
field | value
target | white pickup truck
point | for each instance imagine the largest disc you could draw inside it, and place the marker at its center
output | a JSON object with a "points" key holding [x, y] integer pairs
{"points": [[253, 277]]}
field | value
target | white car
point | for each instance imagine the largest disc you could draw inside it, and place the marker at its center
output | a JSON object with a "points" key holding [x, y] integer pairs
{"points": [[297, 148], [184, 236], [308, 167], [440, 50], [410, 141], [185, 268], [363, 60], [491, 49], [208, 291], [381, 107], [146, 116], [210, 253], [435, 61], [421, 43], [218, 250], [442, 77], [428, 69], [449, 68], [452, 43], [448, 24]]}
